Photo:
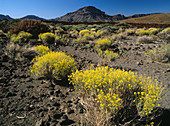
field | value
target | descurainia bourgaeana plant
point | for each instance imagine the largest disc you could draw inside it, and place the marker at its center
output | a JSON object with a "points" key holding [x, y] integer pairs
{"points": [[47, 37], [166, 30], [21, 37], [53, 65], [110, 55], [115, 90], [42, 50], [160, 54], [102, 43]]}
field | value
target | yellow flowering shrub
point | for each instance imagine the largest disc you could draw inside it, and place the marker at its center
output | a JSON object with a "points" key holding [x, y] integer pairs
{"points": [[153, 31], [61, 38], [142, 32], [42, 50], [150, 31], [110, 55], [84, 32], [114, 89], [166, 30], [21, 37], [74, 33], [47, 37], [53, 65], [102, 43]]}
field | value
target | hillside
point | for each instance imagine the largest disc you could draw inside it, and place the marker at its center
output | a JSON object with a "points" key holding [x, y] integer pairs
{"points": [[163, 18]]}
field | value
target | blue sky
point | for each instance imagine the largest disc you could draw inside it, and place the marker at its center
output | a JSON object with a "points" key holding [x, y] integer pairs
{"points": [[55, 8]]}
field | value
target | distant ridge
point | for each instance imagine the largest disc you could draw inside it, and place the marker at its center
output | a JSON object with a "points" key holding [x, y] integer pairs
{"points": [[5, 17], [33, 17]]}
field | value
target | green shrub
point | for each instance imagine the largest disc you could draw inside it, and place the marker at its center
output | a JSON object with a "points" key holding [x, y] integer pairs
{"points": [[47, 37], [117, 92], [21, 37], [34, 27], [53, 65], [161, 54]]}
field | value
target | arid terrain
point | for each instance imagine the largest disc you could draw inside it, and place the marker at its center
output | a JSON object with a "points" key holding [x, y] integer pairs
{"points": [[25, 101]]}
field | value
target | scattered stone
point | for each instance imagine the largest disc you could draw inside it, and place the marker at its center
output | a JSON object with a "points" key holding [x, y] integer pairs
{"points": [[55, 103], [165, 60], [139, 62], [79, 108], [168, 70], [39, 123]]}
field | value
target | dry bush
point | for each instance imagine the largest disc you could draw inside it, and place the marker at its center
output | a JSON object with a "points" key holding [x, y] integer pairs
{"points": [[162, 54], [93, 114], [145, 39], [32, 26], [19, 53]]}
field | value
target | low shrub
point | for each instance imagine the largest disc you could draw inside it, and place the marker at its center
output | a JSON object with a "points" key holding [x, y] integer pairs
{"points": [[21, 37], [161, 54], [166, 30], [53, 65], [61, 39], [47, 37], [42, 50], [130, 31], [102, 43], [145, 39], [142, 32], [153, 31], [117, 92], [110, 55], [84, 32]]}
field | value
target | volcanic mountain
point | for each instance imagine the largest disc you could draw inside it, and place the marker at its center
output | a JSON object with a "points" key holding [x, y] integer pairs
{"points": [[89, 14]]}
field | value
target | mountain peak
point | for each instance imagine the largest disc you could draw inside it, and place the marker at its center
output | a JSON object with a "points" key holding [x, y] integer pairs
{"points": [[86, 14]]}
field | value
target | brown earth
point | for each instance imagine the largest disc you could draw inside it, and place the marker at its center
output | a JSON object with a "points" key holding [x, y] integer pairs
{"points": [[151, 19], [28, 102]]}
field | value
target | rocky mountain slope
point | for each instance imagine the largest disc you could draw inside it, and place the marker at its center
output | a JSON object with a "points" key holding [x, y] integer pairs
{"points": [[89, 14]]}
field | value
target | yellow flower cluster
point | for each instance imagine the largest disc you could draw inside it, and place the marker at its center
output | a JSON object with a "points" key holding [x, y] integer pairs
{"points": [[150, 31], [166, 30], [110, 55], [42, 50], [47, 37], [61, 38], [103, 43], [85, 35], [74, 33], [84, 32], [110, 88], [153, 31], [53, 65], [21, 37]]}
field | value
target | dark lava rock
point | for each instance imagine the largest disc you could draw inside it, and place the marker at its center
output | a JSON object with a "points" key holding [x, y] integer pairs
{"points": [[79, 108]]}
